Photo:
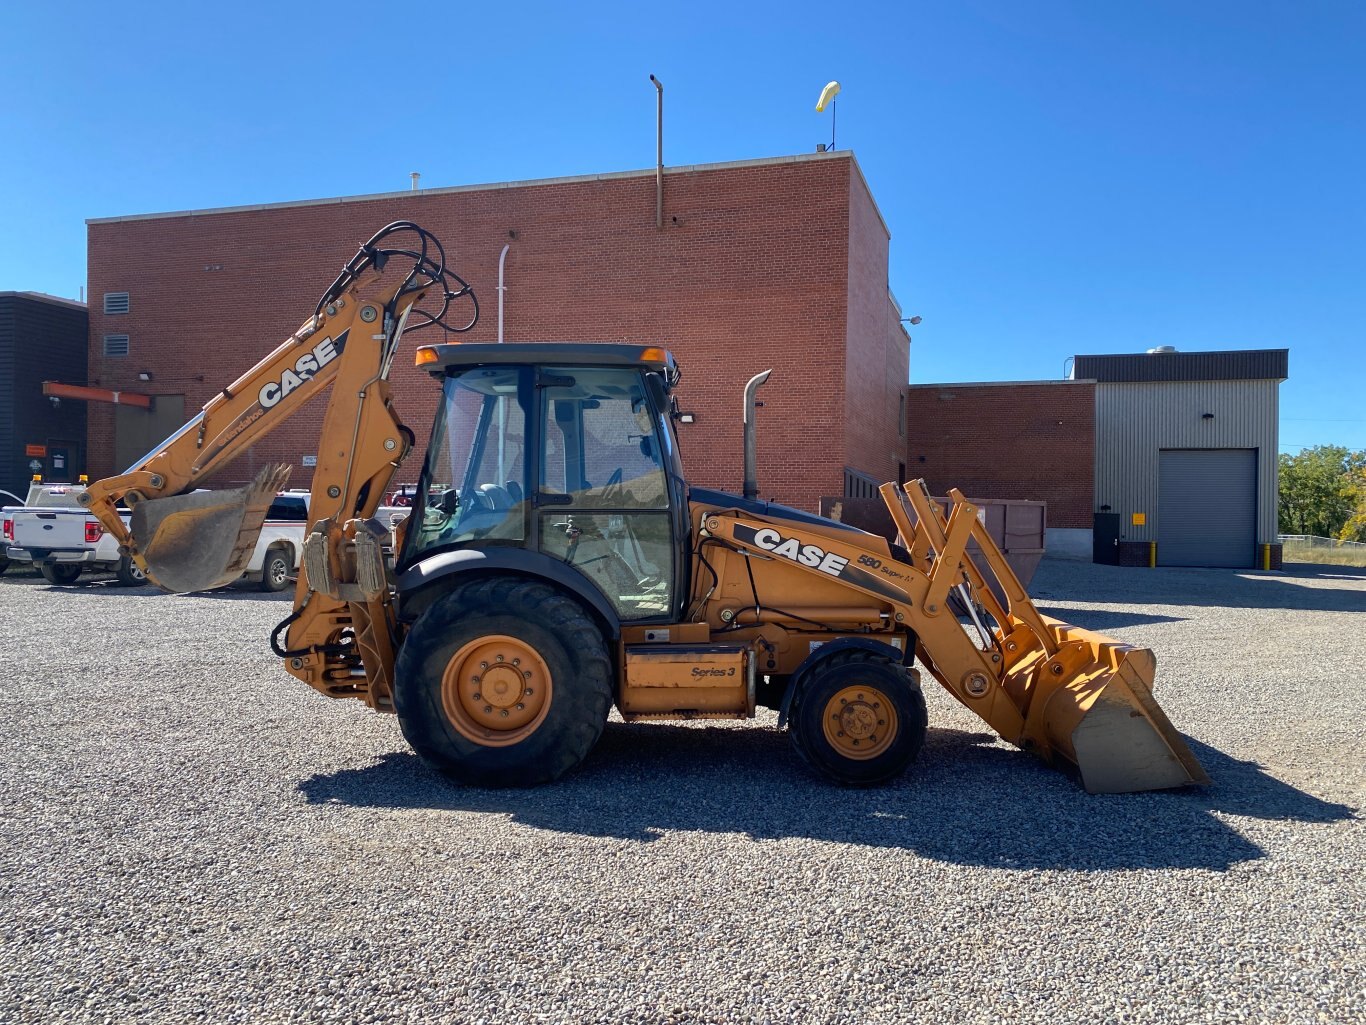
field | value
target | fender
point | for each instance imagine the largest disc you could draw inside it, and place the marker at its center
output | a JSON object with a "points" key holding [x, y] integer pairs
{"points": [[418, 585], [843, 644]]}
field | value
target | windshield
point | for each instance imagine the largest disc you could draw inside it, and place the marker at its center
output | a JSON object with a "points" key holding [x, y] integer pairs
{"points": [[473, 485]]}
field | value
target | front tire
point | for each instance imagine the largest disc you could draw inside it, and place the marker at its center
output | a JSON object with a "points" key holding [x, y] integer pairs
{"points": [[59, 573], [860, 719], [503, 682], [128, 575], [275, 570]]}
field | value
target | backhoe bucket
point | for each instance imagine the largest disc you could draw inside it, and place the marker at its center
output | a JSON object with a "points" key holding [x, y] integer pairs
{"points": [[205, 539], [1101, 715]]}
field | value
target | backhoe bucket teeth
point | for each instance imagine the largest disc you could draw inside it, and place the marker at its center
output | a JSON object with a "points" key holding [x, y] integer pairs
{"points": [[205, 539], [1102, 715]]}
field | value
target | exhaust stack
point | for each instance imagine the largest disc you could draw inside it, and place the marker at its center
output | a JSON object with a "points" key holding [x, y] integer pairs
{"points": [[751, 449]]}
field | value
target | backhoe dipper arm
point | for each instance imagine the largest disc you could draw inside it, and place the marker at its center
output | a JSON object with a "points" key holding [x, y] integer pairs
{"points": [[188, 540]]}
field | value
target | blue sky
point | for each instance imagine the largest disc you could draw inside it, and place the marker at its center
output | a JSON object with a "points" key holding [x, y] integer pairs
{"points": [[1058, 177]]}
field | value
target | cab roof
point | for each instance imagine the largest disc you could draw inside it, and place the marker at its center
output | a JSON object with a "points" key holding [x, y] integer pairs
{"points": [[588, 354]]}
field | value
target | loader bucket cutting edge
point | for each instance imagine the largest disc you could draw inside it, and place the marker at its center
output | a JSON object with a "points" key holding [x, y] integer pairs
{"points": [[1106, 720], [205, 539]]}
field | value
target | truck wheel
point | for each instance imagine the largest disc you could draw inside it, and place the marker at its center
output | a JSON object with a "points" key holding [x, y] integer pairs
{"points": [[275, 570], [128, 575], [503, 682], [63, 574], [4, 563], [859, 719]]}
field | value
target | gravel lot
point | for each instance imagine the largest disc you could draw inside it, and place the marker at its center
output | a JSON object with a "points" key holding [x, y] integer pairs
{"points": [[188, 834]]}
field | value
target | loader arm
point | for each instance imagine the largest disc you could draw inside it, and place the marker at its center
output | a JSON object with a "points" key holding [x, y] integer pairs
{"points": [[1059, 691], [339, 635]]}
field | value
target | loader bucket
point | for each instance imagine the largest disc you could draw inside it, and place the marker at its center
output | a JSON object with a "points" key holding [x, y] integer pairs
{"points": [[205, 539], [1069, 693], [1102, 715]]}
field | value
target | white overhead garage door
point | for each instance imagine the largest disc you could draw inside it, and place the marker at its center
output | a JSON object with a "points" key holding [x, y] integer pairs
{"points": [[1207, 507]]}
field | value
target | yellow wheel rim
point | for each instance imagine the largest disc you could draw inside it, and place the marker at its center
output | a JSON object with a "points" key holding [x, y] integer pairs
{"points": [[496, 690], [859, 722]]}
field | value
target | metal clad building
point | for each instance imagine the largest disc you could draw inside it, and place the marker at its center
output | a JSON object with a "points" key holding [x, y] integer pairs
{"points": [[42, 338], [1186, 447]]}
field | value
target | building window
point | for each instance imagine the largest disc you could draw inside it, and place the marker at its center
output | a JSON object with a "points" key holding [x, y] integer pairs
{"points": [[116, 345], [901, 416], [115, 302]]}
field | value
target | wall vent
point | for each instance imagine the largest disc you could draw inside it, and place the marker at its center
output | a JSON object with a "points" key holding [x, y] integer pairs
{"points": [[115, 302], [116, 345]]}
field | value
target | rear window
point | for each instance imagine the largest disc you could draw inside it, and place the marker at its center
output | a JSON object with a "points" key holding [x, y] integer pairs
{"points": [[290, 509], [57, 498]]}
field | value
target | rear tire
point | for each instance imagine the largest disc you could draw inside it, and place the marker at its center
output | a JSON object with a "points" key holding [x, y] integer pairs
{"points": [[859, 720], [275, 570], [542, 662], [61, 574], [128, 575]]}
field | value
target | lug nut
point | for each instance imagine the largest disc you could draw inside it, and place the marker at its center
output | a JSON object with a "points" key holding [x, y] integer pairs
{"points": [[478, 697], [520, 706], [487, 709], [505, 713]]}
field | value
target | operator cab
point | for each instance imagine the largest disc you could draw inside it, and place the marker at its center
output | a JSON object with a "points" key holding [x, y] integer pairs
{"points": [[563, 450]]}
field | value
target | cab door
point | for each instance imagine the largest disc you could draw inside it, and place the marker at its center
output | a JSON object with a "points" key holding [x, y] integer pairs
{"points": [[603, 494]]}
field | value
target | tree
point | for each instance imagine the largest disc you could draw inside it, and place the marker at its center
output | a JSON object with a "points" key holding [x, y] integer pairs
{"points": [[1355, 527], [1321, 490]]}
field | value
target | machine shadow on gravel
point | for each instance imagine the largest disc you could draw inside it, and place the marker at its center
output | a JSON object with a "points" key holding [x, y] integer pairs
{"points": [[1164, 587], [1106, 619], [966, 801]]}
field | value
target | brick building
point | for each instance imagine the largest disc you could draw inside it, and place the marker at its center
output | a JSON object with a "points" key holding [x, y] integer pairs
{"points": [[777, 263], [1033, 440]]}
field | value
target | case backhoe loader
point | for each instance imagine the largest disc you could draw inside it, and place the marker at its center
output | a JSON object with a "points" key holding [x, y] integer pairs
{"points": [[556, 562]]}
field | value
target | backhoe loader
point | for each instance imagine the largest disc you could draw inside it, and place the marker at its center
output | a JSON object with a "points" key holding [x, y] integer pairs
{"points": [[556, 562]]}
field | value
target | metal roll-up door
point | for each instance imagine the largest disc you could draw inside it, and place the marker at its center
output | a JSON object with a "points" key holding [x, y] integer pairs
{"points": [[1207, 507]]}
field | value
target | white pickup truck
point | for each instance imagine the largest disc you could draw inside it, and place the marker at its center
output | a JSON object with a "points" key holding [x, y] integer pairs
{"points": [[52, 531]]}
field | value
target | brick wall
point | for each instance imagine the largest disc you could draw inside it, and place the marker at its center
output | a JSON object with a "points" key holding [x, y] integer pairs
{"points": [[1033, 440], [877, 352], [750, 272]]}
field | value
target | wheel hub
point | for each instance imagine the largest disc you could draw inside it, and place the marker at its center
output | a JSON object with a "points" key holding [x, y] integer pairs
{"points": [[859, 722], [496, 690]]}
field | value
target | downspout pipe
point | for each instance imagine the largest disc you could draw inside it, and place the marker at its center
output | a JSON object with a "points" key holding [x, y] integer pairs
{"points": [[502, 259], [751, 446], [659, 152]]}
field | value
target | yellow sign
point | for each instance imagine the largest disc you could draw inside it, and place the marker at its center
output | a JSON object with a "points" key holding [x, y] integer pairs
{"points": [[1139, 519]]}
